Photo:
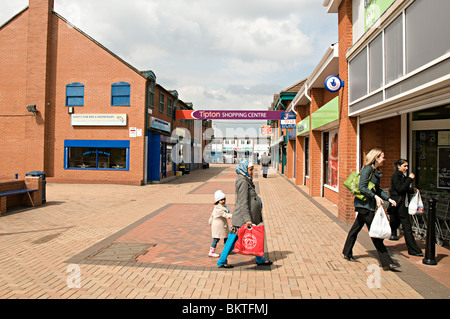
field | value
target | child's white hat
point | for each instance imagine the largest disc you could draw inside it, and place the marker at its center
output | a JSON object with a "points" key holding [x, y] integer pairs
{"points": [[219, 195]]}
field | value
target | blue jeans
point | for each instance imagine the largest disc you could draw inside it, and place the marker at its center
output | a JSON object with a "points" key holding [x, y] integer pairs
{"points": [[216, 241], [229, 246]]}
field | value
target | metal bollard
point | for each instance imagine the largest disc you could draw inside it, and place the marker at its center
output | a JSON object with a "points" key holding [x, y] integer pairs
{"points": [[430, 249]]}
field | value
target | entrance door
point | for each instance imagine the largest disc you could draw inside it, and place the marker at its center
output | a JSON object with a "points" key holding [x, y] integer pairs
{"points": [[163, 160]]}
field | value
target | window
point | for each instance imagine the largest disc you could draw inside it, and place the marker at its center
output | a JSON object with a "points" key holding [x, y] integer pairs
{"points": [[169, 107], [120, 94], [97, 155], [75, 94], [330, 157], [151, 94], [393, 37], [426, 41], [306, 156], [376, 63], [161, 102], [358, 75]]}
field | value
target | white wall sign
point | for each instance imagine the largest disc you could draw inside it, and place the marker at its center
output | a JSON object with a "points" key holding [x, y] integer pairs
{"points": [[98, 119]]}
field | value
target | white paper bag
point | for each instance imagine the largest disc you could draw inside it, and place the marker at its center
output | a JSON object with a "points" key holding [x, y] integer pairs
{"points": [[416, 205], [380, 227]]}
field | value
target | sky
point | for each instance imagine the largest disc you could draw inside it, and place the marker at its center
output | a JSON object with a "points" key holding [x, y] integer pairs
{"points": [[219, 55]]}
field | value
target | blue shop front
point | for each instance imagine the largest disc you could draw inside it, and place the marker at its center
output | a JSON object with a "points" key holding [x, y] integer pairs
{"points": [[160, 166]]}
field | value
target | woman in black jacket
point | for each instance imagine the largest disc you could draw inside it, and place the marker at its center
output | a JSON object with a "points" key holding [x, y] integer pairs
{"points": [[366, 208], [400, 191]]}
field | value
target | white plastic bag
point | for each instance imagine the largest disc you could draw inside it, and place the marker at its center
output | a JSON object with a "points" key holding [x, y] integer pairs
{"points": [[416, 205], [380, 227]]}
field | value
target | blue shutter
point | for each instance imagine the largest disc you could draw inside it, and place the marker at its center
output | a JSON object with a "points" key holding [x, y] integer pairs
{"points": [[120, 94], [75, 94]]}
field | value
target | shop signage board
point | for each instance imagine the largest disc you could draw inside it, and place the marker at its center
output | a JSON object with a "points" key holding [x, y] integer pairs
{"points": [[228, 115], [98, 119], [325, 114], [266, 130], [159, 124], [373, 9], [303, 126]]}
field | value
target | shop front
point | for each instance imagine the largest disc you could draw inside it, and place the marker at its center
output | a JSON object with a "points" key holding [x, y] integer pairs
{"points": [[326, 120], [160, 165], [430, 151]]}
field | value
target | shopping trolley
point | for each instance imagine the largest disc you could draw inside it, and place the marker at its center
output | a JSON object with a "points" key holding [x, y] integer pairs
{"points": [[420, 221], [442, 220]]}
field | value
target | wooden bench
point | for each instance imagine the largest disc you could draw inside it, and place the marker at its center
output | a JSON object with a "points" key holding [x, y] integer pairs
{"points": [[4, 195]]}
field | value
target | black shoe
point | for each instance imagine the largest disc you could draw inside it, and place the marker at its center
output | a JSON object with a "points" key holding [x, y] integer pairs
{"points": [[350, 258], [417, 254], [391, 267], [267, 263], [395, 238]]}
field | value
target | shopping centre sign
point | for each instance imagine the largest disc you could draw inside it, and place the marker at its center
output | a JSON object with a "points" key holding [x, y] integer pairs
{"points": [[228, 115]]}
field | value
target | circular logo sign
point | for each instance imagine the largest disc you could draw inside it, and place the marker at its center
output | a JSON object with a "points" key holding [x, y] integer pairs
{"points": [[333, 83], [249, 241]]}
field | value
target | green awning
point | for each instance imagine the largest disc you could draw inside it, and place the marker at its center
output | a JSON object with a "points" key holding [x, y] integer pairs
{"points": [[303, 126], [326, 114]]}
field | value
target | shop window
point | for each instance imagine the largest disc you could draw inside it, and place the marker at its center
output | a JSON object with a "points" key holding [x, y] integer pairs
{"points": [[427, 26], [330, 157], [431, 164], [358, 76], [306, 156], [376, 63], [393, 41], [75, 94], [98, 155], [120, 94]]}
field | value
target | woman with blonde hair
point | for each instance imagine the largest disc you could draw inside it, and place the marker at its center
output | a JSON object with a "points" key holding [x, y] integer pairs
{"points": [[366, 209]]}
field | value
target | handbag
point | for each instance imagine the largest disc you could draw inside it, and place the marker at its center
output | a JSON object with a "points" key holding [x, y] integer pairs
{"points": [[416, 205], [250, 241], [380, 227], [352, 183]]}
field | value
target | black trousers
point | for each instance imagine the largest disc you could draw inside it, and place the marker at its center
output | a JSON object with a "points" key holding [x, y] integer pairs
{"points": [[365, 216], [401, 216]]}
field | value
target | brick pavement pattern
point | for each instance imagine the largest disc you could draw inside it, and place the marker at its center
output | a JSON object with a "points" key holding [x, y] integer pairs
{"points": [[115, 241]]}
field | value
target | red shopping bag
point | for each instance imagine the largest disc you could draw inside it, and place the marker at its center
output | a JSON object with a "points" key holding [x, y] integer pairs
{"points": [[250, 241]]}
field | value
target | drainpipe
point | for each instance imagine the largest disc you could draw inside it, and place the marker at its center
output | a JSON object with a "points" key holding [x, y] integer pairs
{"points": [[306, 92]]}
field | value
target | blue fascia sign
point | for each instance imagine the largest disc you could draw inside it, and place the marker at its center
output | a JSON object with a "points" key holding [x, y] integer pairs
{"points": [[333, 83]]}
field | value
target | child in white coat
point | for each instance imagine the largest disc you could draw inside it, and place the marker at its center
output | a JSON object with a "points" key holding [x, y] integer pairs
{"points": [[218, 222]]}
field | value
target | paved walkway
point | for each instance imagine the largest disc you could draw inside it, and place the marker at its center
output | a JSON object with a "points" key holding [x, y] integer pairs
{"points": [[114, 241]]}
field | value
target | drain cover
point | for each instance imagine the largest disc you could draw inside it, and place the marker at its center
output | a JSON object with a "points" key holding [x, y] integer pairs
{"points": [[121, 252]]}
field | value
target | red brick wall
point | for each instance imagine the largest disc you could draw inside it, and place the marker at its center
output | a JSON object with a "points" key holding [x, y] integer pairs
{"points": [[13, 55], [347, 126], [385, 134], [331, 195], [77, 58]]}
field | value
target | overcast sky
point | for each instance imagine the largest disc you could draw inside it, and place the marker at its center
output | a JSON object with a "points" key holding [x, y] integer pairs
{"points": [[218, 54]]}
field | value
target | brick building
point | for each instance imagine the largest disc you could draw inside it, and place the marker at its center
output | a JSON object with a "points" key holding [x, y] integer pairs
{"points": [[75, 110], [396, 96]]}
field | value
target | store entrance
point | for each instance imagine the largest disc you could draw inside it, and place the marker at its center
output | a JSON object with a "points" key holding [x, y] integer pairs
{"points": [[431, 160]]}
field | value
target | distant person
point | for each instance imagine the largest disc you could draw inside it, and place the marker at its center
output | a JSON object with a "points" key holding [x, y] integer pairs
{"points": [[248, 211], [219, 222], [366, 209], [400, 191], [265, 161]]}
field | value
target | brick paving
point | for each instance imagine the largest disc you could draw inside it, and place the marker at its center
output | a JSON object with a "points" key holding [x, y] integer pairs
{"points": [[129, 242]]}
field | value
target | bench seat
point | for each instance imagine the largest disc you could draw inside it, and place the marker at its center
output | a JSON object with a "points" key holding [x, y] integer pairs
{"points": [[18, 191], [4, 197]]}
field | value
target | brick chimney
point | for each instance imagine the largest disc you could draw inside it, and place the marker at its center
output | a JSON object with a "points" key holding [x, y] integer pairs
{"points": [[38, 48]]}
